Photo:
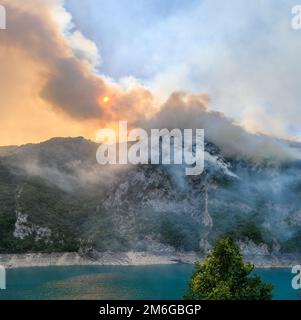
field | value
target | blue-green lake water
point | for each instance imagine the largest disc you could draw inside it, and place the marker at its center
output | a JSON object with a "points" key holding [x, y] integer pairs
{"points": [[119, 282]]}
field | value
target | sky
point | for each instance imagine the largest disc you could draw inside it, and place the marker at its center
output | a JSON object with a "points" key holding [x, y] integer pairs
{"points": [[59, 59]]}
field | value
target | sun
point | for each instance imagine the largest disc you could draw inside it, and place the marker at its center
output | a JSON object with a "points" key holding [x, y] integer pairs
{"points": [[106, 99]]}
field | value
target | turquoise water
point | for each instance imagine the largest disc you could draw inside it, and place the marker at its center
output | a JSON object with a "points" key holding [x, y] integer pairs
{"points": [[118, 282]]}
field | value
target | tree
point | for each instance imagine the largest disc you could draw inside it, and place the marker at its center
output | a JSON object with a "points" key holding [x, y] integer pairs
{"points": [[224, 276]]}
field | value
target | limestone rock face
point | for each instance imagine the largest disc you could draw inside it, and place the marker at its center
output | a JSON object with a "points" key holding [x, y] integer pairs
{"points": [[25, 229], [56, 192], [250, 248]]}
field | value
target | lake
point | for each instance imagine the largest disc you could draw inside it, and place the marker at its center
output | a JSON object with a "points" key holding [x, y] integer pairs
{"points": [[119, 282]]}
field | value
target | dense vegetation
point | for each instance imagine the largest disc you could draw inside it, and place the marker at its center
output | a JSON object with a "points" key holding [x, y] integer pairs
{"points": [[58, 186], [224, 276], [45, 206]]}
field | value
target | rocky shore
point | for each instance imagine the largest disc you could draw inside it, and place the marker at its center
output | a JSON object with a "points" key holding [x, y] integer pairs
{"points": [[132, 258]]}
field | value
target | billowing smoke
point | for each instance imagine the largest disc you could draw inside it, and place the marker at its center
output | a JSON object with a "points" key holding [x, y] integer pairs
{"points": [[187, 111], [66, 75], [69, 82]]}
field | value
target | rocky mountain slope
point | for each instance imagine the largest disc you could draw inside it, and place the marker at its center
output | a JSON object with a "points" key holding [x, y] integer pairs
{"points": [[54, 197]]}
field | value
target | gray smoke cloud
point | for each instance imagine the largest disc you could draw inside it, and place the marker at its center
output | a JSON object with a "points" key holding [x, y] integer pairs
{"points": [[69, 80], [183, 110], [68, 83]]}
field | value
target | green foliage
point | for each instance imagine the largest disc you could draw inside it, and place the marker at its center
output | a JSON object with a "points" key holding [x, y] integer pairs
{"points": [[292, 245], [180, 233], [45, 207], [247, 229], [224, 276]]}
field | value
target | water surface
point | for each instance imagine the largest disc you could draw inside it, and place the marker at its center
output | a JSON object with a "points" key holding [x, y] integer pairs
{"points": [[118, 282]]}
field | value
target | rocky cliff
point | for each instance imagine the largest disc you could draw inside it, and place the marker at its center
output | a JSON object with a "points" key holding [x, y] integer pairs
{"points": [[54, 197]]}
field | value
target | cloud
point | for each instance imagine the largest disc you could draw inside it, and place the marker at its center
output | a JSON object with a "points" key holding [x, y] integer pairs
{"points": [[190, 111], [49, 64], [69, 84], [243, 54], [51, 82]]}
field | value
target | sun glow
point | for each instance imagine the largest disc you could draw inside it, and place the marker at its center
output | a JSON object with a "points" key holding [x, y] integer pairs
{"points": [[106, 99]]}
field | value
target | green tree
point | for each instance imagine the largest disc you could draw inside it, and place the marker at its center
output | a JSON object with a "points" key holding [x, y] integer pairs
{"points": [[224, 276]]}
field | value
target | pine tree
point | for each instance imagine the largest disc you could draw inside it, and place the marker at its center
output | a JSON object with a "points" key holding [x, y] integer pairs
{"points": [[224, 276]]}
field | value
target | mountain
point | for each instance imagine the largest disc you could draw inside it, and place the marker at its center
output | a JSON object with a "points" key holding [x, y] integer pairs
{"points": [[55, 197]]}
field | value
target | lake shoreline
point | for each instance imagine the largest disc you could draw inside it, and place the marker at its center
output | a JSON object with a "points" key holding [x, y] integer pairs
{"points": [[156, 282], [132, 258]]}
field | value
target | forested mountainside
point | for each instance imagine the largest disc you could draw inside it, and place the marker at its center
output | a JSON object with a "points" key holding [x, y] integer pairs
{"points": [[54, 197]]}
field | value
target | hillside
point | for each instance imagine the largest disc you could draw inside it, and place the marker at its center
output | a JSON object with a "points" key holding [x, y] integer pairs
{"points": [[54, 197]]}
